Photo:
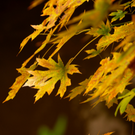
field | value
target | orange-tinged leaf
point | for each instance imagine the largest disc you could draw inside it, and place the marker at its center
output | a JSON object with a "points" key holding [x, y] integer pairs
{"points": [[109, 133], [61, 6], [45, 80], [133, 4], [97, 76], [35, 3], [19, 81]]}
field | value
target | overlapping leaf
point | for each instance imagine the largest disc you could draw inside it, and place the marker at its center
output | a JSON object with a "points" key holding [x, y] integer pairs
{"points": [[45, 81], [106, 79], [19, 81], [90, 18], [119, 33], [61, 6]]}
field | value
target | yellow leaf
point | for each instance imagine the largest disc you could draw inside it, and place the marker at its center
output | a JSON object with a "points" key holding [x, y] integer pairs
{"points": [[105, 81], [97, 76], [78, 90], [35, 3], [19, 81], [47, 40], [39, 29], [45, 80], [119, 33], [61, 6]]}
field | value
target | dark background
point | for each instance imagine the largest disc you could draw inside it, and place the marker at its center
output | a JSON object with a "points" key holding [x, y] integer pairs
{"points": [[21, 116]]}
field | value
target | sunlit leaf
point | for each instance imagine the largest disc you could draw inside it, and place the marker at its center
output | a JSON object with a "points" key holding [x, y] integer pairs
{"points": [[19, 81], [45, 80], [119, 33], [39, 29], [105, 81], [54, 9], [79, 89]]}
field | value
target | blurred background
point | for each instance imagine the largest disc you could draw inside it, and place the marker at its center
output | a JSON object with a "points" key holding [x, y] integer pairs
{"points": [[50, 115]]}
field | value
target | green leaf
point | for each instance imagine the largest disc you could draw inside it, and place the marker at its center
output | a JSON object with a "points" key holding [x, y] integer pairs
{"points": [[103, 29], [118, 15], [123, 104], [92, 53]]}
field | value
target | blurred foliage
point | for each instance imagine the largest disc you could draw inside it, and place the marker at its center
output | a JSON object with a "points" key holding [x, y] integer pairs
{"points": [[59, 127]]}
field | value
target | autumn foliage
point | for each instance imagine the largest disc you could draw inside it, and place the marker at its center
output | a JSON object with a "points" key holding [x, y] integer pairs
{"points": [[103, 22]]}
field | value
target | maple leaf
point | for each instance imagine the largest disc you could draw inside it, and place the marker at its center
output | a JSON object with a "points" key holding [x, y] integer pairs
{"points": [[130, 110], [106, 79], [47, 40], [61, 6], [45, 80], [119, 33], [118, 15], [78, 90], [92, 53], [19, 81], [103, 29], [39, 29]]}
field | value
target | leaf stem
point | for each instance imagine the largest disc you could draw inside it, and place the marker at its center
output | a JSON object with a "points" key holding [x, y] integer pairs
{"points": [[83, 49]]}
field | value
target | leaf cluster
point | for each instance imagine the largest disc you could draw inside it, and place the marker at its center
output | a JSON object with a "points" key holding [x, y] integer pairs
{"points": [[109, 82]]}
